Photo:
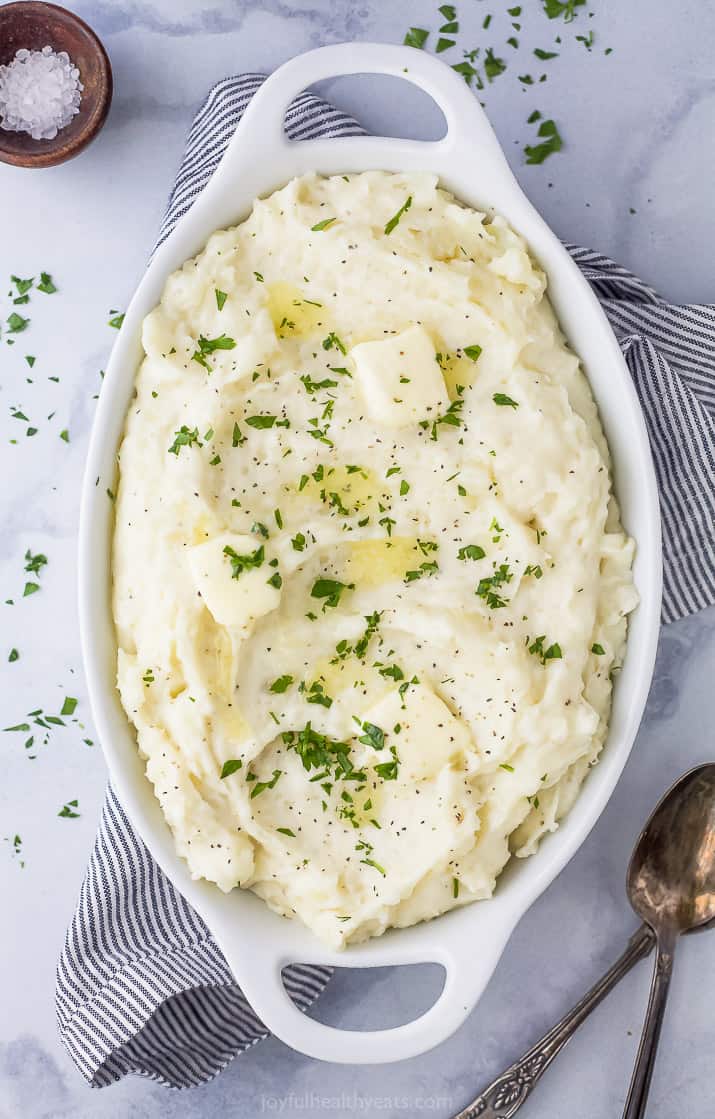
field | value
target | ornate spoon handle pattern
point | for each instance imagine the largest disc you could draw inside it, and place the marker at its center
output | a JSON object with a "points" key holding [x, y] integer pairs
{"points": [[506, 1094]]}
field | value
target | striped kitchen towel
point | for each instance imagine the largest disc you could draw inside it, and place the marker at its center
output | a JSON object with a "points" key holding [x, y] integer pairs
{"points": [[141, 985]]}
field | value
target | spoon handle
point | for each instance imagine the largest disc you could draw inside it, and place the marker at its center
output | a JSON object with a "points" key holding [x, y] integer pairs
{"points": [[645, 1061], [506, 1094]]}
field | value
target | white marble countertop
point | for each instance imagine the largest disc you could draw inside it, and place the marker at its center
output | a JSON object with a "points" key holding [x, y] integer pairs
{"points": [[635, 180]]}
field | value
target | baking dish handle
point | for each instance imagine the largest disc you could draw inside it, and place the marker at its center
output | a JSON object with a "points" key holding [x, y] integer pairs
{"points": [[467, 960], [330, 1043], [467, 124]]}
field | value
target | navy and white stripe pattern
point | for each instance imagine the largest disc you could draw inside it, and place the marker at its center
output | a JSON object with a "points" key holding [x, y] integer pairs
{"points": [[141, 985]]}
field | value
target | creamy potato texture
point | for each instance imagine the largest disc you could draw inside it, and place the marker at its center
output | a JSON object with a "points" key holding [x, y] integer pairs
{"points": [[370, 583]]}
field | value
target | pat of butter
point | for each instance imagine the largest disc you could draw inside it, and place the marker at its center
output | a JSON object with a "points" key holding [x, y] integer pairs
{"points": [[400, 379], [429, 738], [232, 602]]}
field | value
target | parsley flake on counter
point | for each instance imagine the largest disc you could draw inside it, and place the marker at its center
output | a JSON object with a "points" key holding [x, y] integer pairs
{"points": [[565, 8], [116, 321], [69, 706], [395, 219], [416, 37], [444, 44], [34, 564], [185, 437], [14, 656], [229, 767], [23, 286], [493, 66], [504, 401], [552, 142], [46, 285], [67, 812], [65, 435], [544, 55], [16, 323]]}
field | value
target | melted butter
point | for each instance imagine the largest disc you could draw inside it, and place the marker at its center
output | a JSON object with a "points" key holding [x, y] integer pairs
{"points": [[356, 490], [368, 563], [292, 314], [456, 371], [233, 723]]}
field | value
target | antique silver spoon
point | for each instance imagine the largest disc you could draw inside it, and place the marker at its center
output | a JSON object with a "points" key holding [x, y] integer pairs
{"points": [[671, 885]]}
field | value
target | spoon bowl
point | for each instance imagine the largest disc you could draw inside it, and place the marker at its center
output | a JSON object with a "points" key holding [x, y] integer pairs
{"points": [[671, 875], [671, 885]]}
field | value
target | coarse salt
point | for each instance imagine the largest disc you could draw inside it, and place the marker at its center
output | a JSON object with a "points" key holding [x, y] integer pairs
{"points": [[40, 92]]}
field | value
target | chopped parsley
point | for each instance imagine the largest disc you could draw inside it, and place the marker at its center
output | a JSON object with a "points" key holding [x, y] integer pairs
{"points": [[298, 542], [241, 563], [261, 423], [598, 650], [534, 569], [471, 552], [321, 225], [394, 220], [331, 590], [231, 766], [276, 581], [185, 437], [504, 401], [208, 346], [14, 656], [261, 786], [553, 652], [221, 297], [472, 352], [116, 321], [286, 831], [69, 706], [488, 588], [333, 342], [281, 684]]}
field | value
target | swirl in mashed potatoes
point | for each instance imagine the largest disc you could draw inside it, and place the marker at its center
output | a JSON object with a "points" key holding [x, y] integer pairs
{"points": [[370, 582]]}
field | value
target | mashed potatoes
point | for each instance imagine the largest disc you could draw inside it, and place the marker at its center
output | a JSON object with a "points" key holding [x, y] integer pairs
{"points": [[370, 582]]}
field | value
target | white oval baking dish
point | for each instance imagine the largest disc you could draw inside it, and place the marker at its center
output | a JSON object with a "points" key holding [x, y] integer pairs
{"points": [[467, 942]]}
